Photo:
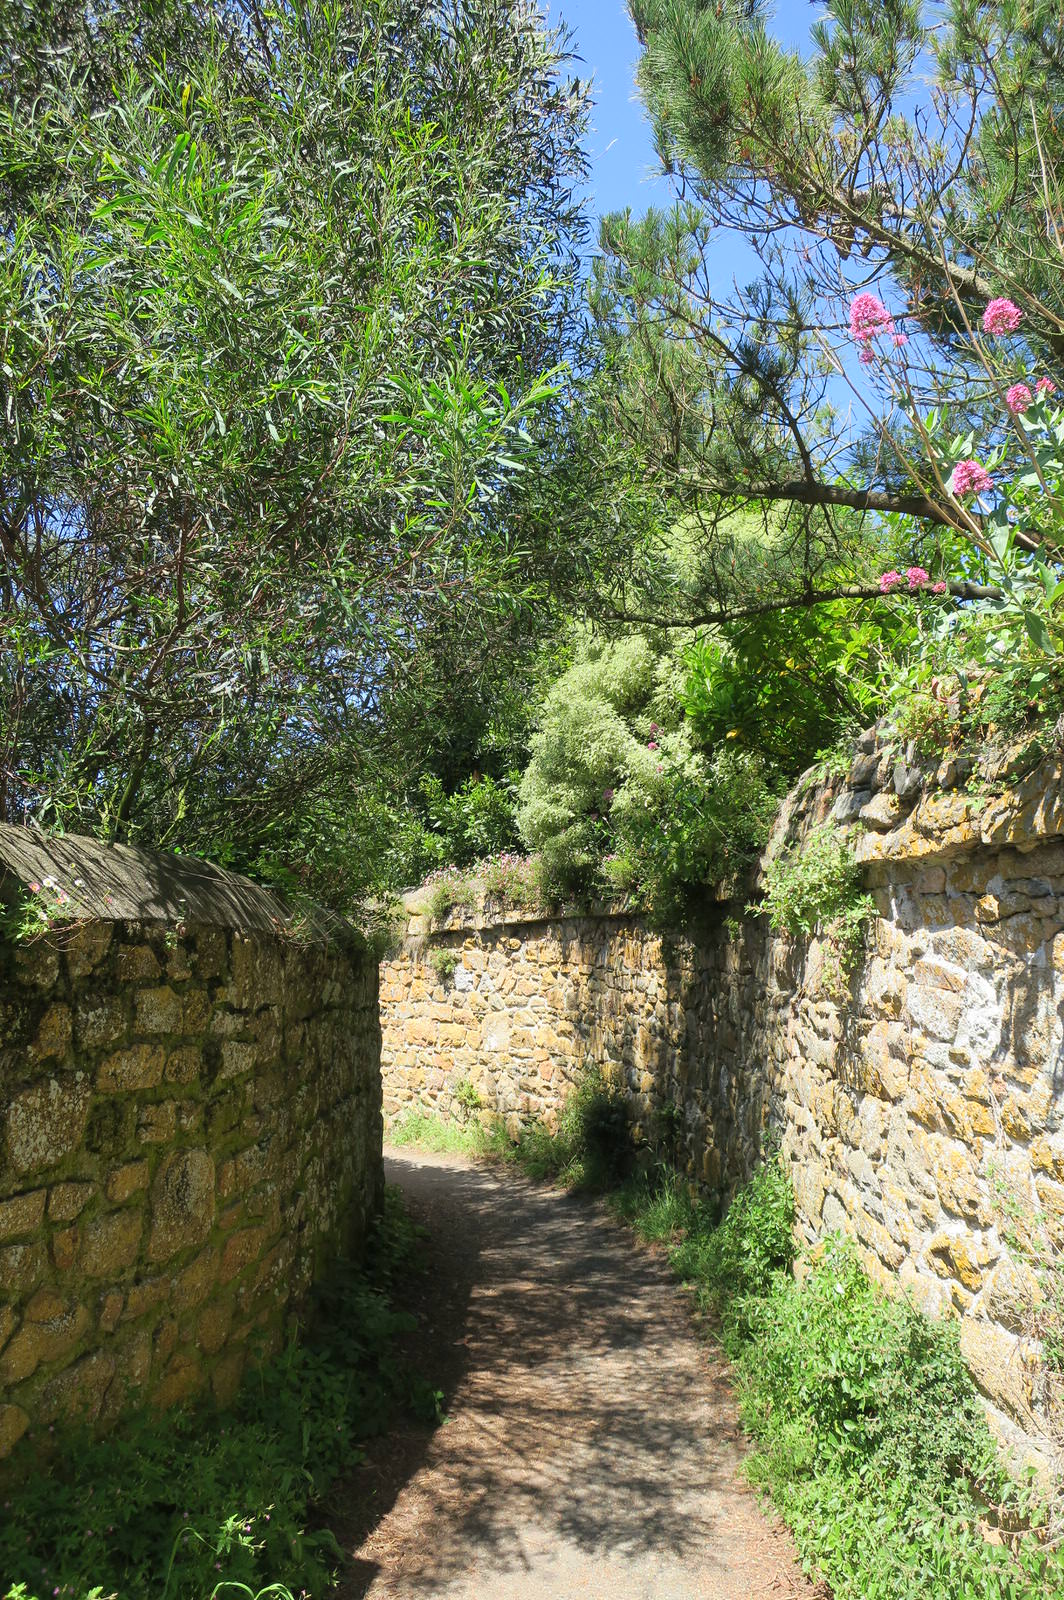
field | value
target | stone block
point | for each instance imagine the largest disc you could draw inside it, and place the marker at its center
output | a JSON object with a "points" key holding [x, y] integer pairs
{"points": [[69, 1200], [22, 1213], [194, 1284], [22, 1267], [184, 1064], [241, 1249], [127, 1180], [183, 1204], [51, 1330], [78, 1393], [140, 1066], [53, 1036], [47, 1121], [111, 1243], [1002, 1366], [212, 1329], [238, 1059], [158, 1010], [157, 1124], [136, 963], [66, 1243], [99, 1021], [180, 1381], [84, 947]]}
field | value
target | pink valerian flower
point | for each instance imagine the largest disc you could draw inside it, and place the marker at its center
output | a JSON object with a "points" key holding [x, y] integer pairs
{"points": [[869, 317], [889, 581], [917, 577], [1018, 398], [900, 340], [652, 744], [1045, 386], [968, 477], [1001, 316], [939, 588], [867, 356]]}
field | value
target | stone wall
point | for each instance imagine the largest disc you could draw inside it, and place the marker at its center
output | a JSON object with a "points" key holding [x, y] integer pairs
{"points": [[921, 1112], [190, 1126]]}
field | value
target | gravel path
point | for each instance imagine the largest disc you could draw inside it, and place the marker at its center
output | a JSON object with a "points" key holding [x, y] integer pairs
{"points": [[592, 1446]]}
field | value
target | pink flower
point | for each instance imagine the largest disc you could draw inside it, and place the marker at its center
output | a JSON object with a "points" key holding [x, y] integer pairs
{"points": [[939, 588], [1018, 398], [866, 357], [889, 581], [900, 340], [1001, 316], [1046, 386], [869, 316], [969, 477], [917, 577], [652, 744]]}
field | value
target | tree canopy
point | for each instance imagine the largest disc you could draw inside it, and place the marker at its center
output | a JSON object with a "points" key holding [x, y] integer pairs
{"points": [[284, 297]]}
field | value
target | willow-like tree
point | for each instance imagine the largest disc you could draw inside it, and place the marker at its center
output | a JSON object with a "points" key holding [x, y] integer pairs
{"points": [[285, 292]]}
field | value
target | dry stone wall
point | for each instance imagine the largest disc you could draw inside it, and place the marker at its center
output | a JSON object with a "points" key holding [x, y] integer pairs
{"points": [[920, 1112], [190, 1126]]}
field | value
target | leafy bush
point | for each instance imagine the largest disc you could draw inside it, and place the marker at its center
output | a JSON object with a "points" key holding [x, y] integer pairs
{"points": [[815, 887], [180, 1505], [790, 684], [443, 962], [618, 794]]}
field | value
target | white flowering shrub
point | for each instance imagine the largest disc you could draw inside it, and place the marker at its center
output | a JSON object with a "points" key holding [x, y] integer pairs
{"points": [[619, 796]]}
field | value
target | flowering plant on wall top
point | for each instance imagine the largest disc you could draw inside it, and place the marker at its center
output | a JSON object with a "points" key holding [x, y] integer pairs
{"points": [[1007, 494]]}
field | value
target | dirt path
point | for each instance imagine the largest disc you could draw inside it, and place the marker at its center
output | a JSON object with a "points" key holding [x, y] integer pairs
{"points": [[592, 1447]]}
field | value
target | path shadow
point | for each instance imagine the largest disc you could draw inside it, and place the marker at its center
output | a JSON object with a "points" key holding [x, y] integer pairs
{"points": [[585, 1413]]}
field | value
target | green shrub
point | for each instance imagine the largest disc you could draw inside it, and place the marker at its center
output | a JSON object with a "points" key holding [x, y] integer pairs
{"points": [[443, 961], [617, 793], [815, 887], [178, 1506], [871, 1437]]}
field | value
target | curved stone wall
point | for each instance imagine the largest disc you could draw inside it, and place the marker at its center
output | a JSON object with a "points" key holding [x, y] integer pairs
{"points": [[922, 1111], [190, 1125]]}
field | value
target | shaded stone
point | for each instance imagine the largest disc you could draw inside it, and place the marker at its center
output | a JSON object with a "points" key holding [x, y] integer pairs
{"points": [[138, 1067], [99, 1021], [54, 1032], [47, 1121], [111, 1243], [180, 1381], [182, 1204], [21, 1267], [78, 1393], [22, 1213], [54, 1331], [158, 1011], [13, 1424], [156, 1124]]}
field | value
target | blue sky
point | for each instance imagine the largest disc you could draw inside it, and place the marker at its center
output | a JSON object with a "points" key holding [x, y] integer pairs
{"points": [[620, 143]]}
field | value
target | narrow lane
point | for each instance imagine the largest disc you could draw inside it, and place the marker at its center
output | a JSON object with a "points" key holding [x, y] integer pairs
{"points": [[592, 1447]]}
